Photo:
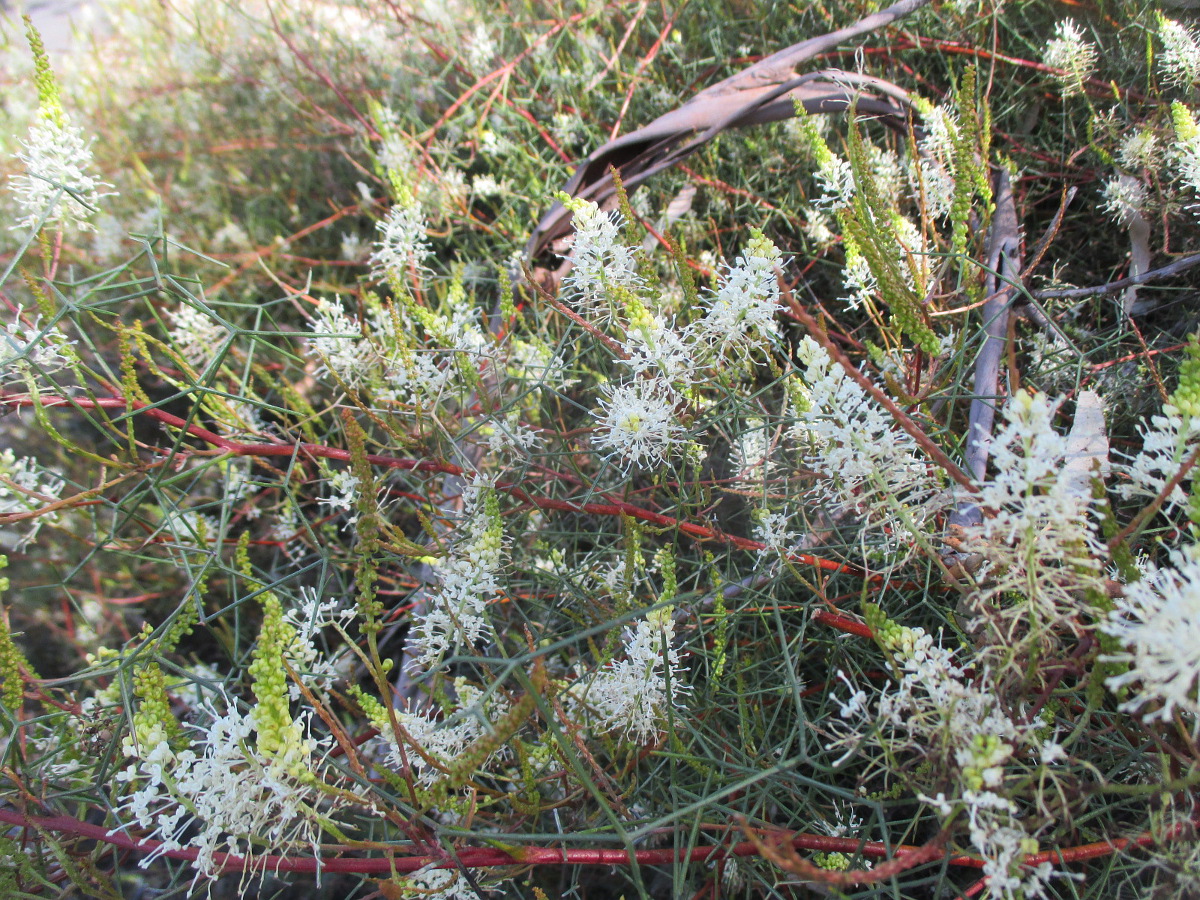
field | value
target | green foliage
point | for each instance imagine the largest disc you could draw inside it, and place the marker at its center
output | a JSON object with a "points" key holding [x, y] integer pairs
{"points": [[495, 567]]}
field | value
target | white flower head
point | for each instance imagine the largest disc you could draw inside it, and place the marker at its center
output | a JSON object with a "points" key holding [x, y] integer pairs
{"points": [[744, 307], [637, 421], [56, 188], [197, 336], [1158, 623], [601, 262], [1179, 62], [403, 241], [633, 693], [1124, 198], [1140, 150], [31, 488], [28, 351], [1071, 52], [339, 343]]}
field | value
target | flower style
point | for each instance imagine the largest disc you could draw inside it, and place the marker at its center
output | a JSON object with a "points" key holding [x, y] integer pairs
{"points": [[1071, 52], [638, 422], [1158, 623], [56, 188]]}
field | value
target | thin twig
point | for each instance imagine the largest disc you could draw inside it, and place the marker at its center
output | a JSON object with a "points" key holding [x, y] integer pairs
{"points": [[1180, 265]]}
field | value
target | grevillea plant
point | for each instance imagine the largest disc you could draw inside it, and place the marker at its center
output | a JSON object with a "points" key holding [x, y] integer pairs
{"points": [[825, 539]]}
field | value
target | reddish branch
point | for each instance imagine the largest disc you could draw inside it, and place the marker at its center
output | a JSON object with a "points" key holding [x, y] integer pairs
{"points": [[610, 506], [473, 858]]}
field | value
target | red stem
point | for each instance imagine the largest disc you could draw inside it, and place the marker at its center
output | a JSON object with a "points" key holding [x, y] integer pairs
{"points": [[611, 506], [547, 856]]}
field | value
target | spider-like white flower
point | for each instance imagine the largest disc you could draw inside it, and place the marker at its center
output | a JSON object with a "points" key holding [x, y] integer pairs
{"points": [[601, 262], [1167, 443], [457, 612], [1179, 62], [222, 793], [851, 440], [633, 693], [1037, 507], [1124, 198], [752, 463], [31, 488], [196, 335], [637, 421], [857, 278], [403, 243], [655, 346], [836, 179], [339, 343], [56, 188], [1140, 150], [1074, 54], [1158, 623], [27, 351], [344, 485], [745, 305], [772, 530]]}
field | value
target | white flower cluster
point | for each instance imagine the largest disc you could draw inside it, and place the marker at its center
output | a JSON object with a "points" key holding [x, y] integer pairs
{"points": [[442, 737], [1157, 620], [936, 706], [312, 666], [773, 532], [29, 352], [25, 487], [56, 188], [457, 613], [934, 167], [1124, 198], [867, 462], [744, 307], [339, 343], [1035, 500], [344, 485], [432, 883], [1167, 443], [1186, 149], [1179, 62], [600, 260], [196, 335], [403, 240], [219, 795], [1071, 52], [638, 422], [633, 693]]}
